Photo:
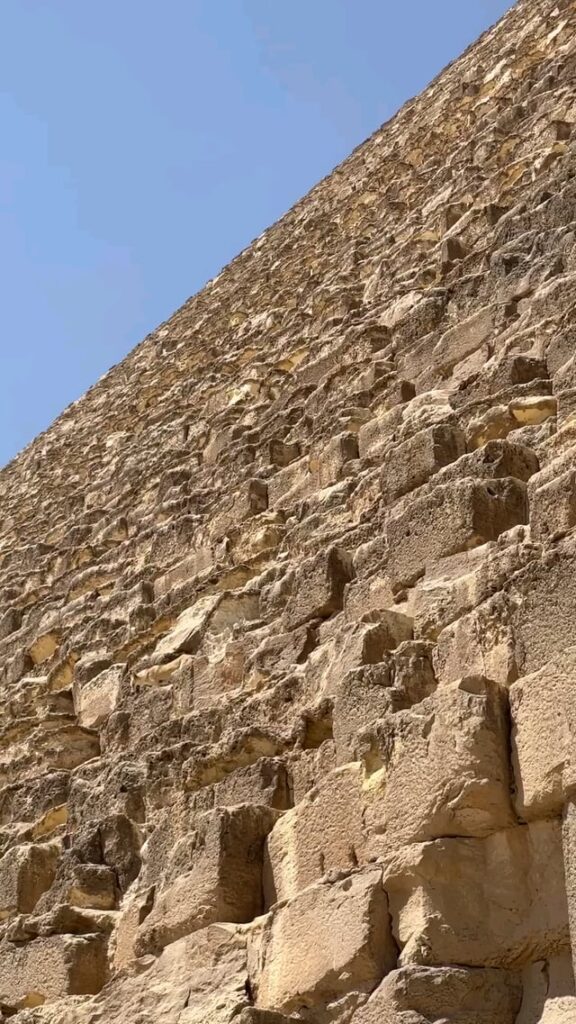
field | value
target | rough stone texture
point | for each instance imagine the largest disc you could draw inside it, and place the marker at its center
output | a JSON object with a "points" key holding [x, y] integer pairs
{"points": [[288, 605]]}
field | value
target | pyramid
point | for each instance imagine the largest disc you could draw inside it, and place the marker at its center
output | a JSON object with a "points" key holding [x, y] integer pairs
{"points": [[288, 605]]}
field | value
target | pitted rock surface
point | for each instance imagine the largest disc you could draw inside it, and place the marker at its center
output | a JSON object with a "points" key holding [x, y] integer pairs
{"points": [[288, 605]]}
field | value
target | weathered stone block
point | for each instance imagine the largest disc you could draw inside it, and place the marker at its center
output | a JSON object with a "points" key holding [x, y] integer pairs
{"points": [[459, 341], [439, 768], [224, 882], [451, 518], [553, 507], [199, 979], [363, 695], [213, 613], [327, 466], [329, 940], [48, 968], [548, 992], [413, 462], [493, 902], [451, 995], [543, 710], [95, 700], [318, 589], [322, 833], [26, 871]]}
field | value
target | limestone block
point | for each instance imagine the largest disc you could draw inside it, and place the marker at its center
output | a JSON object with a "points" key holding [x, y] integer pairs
{"points": [[50, 967], [223, 882], [26, 871], [445, 995], [548, 992], [322, 833], [542, 602], [569, 849], [356, 644], [282, 454], [553, 507], [95, 701], [493, 902], [212, 613], [201, 979], [482, 642], [363, 695], [318, 589], [543, 710], [93, 886], [328, 465], [453, 586], [463, 339], [452, 518], [496, 459], [378, 432], [439, 768], [265, 782], [327, 941], [290, 484], [413, 462]]}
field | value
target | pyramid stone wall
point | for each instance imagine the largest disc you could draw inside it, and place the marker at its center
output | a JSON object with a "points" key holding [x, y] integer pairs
{"points": [[288, 605]]}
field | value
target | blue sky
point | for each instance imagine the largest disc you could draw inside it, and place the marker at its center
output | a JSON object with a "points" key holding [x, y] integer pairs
{"points": [[144, 143]]}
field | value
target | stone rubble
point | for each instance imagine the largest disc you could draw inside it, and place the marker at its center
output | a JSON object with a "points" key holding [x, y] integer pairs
{"points": [[288, 605]]}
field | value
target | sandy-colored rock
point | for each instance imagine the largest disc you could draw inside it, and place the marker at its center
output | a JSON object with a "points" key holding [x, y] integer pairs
{"points": [[439, 768], [324, 832], [451, 995], [328, 940], [223, 882], [543, 737], [287, 605], [493, 902]]}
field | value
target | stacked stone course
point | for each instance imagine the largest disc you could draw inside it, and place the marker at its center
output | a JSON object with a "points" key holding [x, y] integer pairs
{"points": [[288, 606]]}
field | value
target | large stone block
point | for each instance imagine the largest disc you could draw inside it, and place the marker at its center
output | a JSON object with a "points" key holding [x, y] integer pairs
{"points": [[223, 882], [543, 709], [493, 902], [413, 462], [548, 992], [50, 967], [401, 678], [318, 588], [322, 833], [553, 507], [462, 339], [454, 517], [26, 872], [445, 995], [97, 698], [199, 979], [212, 613], [439, 768], [329, 940]]}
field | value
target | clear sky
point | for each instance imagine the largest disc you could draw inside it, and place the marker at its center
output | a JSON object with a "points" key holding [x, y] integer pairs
{"points": [[143, 143]]}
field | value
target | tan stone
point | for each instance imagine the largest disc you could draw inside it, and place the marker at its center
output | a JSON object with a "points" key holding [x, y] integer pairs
{"points": [[322, 833], [319, 587], [455, 517], [544, 736], [439, 768], [26, 872], [413, 462], [493, 902], [95, 701], [223, 882], [450, 995], [329, 939], [47, 968]]}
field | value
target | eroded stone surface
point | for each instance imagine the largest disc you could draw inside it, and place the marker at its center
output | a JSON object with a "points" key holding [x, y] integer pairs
{"points": [[287, 605]]}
